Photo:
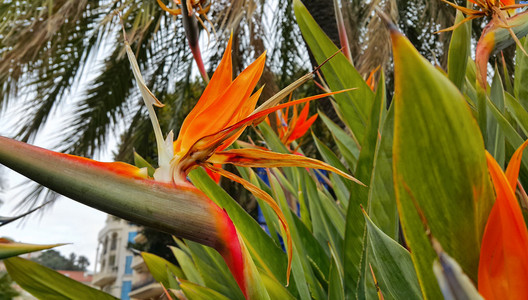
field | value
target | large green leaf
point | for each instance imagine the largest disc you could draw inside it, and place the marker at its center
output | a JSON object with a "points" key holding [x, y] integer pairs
{"points": [[394, 265], [45, 283], [9, 248], [338, 73], [439, 166]]}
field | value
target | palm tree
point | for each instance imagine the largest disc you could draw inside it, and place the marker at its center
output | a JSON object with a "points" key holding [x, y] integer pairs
{"points": [[48, 47], [83, 262]]}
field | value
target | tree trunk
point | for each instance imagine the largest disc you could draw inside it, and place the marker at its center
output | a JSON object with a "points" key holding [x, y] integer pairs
{"points": [[324, 14]]}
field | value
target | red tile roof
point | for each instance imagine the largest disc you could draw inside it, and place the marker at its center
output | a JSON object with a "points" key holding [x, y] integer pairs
{"points": [[77, 275]]}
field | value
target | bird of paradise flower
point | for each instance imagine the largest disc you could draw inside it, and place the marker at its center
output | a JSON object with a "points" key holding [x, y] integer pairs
{"points": [[504, 27], [224, 110], [168, 201]]}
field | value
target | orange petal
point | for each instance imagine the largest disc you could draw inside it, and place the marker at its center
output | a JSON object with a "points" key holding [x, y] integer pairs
{"points": [[171, 11], [216, 139], [120, 168], [503, 265], [250, 106], [268, 159], [214, 176], [226, 106], [300, 129], [222, 77], [370, 80]]}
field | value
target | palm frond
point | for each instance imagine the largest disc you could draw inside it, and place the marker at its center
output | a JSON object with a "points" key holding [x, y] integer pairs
{"points": [[43, 48]]}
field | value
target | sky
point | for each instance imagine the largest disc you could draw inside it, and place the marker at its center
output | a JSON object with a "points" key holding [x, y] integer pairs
{"points": [[65, 221]]}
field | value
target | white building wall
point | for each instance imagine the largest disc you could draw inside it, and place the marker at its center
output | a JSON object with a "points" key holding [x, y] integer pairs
{"points": [[112, 273]]}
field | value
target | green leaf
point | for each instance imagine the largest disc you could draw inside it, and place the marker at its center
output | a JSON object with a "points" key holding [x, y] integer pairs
{"points": [[140, 162], [382, 200], [439, 166], [459, 51], [348, 147], [507, 129], [275, 289], [355, 243], [302, 272], [338, 73], [510, 134], [214, 271], [517, 111], [335, 278], [341, 186], [521, 75], [395, 270], [161, 269], [495, 142], [9, 248], [194, 291], [328, 225], [266, 253], [187, 266], [45, 283]]}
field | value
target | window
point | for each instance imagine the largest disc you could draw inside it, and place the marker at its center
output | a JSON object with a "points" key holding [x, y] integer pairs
{"points": [[113, 245], [111, 260], [125, 289], [128, 265], [131, 236], [105, 245]]}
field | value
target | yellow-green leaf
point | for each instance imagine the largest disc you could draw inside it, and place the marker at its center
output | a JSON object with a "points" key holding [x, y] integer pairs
{"points": [[459, 51], [45, 283], [439, 166], [9, 248]]}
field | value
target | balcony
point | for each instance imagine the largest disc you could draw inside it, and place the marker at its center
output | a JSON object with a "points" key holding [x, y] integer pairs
{"points": [[146, 289], [138, 264], [105, 278]]}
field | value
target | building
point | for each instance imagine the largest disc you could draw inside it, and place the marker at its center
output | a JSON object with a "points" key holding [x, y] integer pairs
{"points": [[143, 284], [113, 265]]}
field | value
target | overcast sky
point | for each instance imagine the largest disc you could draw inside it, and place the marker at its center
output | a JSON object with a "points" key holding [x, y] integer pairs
{"points": [[66, 221]]}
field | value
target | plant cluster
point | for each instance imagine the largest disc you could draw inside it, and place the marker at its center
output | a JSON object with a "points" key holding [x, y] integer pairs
{"points": [[416, 204]]}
